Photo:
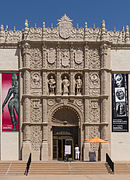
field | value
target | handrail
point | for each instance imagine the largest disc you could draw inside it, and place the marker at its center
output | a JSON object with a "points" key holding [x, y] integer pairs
{"points": [[28, 165], [110, 162]]}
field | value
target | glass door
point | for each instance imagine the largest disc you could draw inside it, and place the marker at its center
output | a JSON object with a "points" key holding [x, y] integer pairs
{"points": [[60, 149], [69, 148]]}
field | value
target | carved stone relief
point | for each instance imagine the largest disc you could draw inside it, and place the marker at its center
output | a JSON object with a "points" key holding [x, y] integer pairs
{"points": [[77, 33], [94, 80], [35, 33], [36, 137], [78, 85], [94, 111], [94, 59], [36, 58], [65, 85], [65, 26], [51, 85], [65, 58], [51, 56], [13, 36], [94, 131], [36, 110], [78, 56], [36, 80]]}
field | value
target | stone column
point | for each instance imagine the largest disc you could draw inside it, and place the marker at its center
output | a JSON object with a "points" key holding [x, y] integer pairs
{"points": [[58, 56], [105, 88], [86, 130], [44, 63], [72, 83], [45, 90], [86, 147], [44, 149], [86, 116], [86, 58], [58, 84], [71, 56], [26, 150]]}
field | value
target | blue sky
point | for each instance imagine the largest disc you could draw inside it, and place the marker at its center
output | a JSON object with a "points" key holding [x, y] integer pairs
{"points": [[116, 13]]}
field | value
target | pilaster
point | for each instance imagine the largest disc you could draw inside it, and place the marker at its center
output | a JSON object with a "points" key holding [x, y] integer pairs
{"points": [[105, 91], [72, 84], [44, 149], [26, 150], [58, 56], [58, 84]]}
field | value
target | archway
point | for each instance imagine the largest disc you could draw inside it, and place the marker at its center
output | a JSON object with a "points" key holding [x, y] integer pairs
{"points": [[66, 132]]}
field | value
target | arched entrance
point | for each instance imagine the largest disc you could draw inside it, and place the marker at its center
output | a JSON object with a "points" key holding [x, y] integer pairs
{"points": [[66, 132]]}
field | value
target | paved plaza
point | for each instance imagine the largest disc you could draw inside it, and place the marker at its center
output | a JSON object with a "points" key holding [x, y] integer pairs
{"points": [[68, 177]]}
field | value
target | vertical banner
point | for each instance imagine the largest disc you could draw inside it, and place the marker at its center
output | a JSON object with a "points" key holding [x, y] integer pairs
{"points": [[120, 102], [10, 102]]}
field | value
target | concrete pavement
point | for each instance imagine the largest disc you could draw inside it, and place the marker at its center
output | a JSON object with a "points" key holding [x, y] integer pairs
{"points": [[66, 177]]}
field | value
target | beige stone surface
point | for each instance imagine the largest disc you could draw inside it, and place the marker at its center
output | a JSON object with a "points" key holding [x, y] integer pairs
{"points": [[8, 59], [120, 60], [68, 177], [10, 146]]}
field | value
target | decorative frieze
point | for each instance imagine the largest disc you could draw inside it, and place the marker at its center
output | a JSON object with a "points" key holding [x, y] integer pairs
{"points": [[94, 131], [36, 111], [36, 79], [94, 59], [94, 111], [36, 137], [94, 81], [36, 58]]}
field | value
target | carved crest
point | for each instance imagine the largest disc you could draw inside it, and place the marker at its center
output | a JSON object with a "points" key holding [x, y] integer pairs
{"points": [[51, 56], [78, 56], [65, 26], [65, 58]]}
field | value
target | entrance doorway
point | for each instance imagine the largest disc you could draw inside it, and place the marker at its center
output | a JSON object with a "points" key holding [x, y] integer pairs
{"points": [[64, 141]]}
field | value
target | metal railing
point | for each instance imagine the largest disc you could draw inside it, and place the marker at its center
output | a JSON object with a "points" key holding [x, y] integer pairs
{"points": [[110, 162], [28, 165]]}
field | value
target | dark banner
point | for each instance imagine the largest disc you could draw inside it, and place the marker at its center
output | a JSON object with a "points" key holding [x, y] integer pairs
{"points": [[10, 102], [119, 102]]}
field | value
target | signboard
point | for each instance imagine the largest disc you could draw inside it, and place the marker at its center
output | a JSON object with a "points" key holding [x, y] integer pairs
{"points": [[119, 102], [10, 102], [67, 149]]}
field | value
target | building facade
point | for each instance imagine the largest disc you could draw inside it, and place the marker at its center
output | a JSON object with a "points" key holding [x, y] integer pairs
{"points": [[63, 83]]}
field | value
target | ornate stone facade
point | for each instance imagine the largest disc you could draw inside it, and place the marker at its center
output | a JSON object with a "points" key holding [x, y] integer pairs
{"points": [[64, 69]]}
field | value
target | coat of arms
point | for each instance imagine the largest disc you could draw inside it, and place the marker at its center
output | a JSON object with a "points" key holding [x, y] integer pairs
{"points": [[65, 58], [78, 56], [51, 56], [65, 26]]}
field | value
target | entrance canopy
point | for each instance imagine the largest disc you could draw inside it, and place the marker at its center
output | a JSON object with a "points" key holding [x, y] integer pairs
{"points": [[96, 140]]}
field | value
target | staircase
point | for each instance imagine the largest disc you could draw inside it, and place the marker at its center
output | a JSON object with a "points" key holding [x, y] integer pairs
{"points": [[122, 168], [12, 168], [68, 168], [53, 168]]}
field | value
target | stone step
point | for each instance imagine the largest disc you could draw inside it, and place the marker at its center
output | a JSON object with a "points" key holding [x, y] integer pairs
{"points": [[122, 168], [68, 168]]}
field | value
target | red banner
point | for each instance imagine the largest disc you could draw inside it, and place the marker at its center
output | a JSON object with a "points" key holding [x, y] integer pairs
{"points": [[10, 102]]}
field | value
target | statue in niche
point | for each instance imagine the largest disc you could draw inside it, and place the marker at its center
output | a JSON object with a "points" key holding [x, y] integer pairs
{"points": [[78, 85], [52, 85], [66, 85]]}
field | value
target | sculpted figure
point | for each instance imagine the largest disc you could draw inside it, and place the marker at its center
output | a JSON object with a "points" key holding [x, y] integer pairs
{"points": [[13, 104], [52, 85], [78, 85], [66, 85]]}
